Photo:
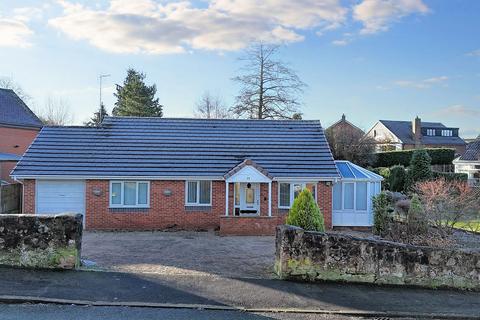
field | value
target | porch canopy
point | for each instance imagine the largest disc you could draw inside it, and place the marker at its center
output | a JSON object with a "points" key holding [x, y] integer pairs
{"points": [[249, 173]]}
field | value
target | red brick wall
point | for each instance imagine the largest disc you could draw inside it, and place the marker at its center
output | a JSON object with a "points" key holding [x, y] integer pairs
{"points": [[164, 212], [16, 141], [249, 226], [170, 211], [28, 196], [324, 200]]}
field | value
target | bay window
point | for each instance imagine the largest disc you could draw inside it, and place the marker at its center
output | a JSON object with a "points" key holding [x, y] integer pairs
{"points": [[129, 194], [287, 192], [198, 193]]}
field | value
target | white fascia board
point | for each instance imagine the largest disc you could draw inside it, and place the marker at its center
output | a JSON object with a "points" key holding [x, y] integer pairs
{"points": [[67, 177], [295, 179]]}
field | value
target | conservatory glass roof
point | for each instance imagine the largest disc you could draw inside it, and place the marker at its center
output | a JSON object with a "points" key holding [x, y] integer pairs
{"points": [[349, 170]]}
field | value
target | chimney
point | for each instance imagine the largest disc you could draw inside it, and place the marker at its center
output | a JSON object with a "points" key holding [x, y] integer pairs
{"points": [[417, 132]]}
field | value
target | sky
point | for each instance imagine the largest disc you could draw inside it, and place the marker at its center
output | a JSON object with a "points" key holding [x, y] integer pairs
{"points": [[369, 59]]}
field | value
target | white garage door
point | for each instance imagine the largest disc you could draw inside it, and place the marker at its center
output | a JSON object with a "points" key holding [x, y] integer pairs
{"points": [[57, 196]]}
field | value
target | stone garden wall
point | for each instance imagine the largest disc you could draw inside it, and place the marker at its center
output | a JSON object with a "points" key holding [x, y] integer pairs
{"points": [[33, 241], [311, 256]]}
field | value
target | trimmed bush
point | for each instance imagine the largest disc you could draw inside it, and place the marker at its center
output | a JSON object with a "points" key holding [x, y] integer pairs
{"points": [[403, 157], [397, 178], [305, 213], [381, 205], [450, 176]]}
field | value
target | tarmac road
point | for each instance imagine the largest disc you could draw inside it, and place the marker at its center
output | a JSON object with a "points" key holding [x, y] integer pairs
{"points": [[48, 312]]}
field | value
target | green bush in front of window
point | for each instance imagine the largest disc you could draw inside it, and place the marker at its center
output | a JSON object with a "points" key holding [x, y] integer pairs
{"points": [[305, 213]]}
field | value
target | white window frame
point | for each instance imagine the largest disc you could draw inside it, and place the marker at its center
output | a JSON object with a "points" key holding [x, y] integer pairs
{"points": [[431, 132], [121, 205], [354, 209], [197, 203], [447, 133], [292, 193]]}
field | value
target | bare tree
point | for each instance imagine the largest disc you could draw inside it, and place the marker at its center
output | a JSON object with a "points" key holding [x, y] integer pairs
{"points": [[8, 83], [211, 107], [351, 145], [56, 112], [269, 88]]}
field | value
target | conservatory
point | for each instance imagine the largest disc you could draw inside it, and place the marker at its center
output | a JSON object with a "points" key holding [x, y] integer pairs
{"points": [[352, 195]]}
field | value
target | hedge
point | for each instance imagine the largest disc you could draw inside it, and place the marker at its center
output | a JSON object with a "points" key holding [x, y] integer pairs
{"points": [[450, 176], [403, 157]]}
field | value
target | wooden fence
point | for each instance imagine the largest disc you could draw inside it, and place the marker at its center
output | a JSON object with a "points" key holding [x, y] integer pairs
{"points": [[11, 198]]}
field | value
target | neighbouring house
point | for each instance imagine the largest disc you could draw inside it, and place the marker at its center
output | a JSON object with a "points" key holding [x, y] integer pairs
{"points": [[18, 128], [405, 135], [238, 176], [345, 126], [469, 163]]}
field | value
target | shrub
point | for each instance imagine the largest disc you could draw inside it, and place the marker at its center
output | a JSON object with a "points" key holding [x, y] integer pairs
{"points": [[305, 213], [397, 177], [403, 157], [417, 223], [447, 202], [381, 205], [385, 173], [420, 168]]}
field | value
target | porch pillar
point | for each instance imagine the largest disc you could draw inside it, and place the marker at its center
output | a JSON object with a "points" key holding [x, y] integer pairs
{"points": [[226, 198], [270, 199]]}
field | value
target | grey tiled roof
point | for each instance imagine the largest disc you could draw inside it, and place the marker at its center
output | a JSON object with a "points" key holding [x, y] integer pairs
{"points": [[473, 151], [156, 147], [403, 131], [14, 112]]}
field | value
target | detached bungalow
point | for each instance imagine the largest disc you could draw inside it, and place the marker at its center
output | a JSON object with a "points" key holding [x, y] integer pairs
{"points": [[239, 176]]}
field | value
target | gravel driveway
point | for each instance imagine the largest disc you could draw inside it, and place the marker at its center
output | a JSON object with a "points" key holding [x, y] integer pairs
{"points": [[181, 253]]}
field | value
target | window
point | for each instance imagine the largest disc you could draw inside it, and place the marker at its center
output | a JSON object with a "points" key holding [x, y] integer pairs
{"points": [[337, 196], [198, 193], [361, 196], [129, 194], [284, 195], [353, 195], [237, 194], [430, 132], [447, 133], [349, 195], [287, 192]]}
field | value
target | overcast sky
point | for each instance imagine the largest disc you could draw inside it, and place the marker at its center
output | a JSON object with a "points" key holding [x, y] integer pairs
{"points": [[369, 59]]}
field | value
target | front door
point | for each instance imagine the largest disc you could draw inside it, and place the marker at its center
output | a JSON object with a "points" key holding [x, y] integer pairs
{"points": [[249, 198]]}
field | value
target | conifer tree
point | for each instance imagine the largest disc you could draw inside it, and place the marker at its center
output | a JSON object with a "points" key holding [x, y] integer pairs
{"points": [[135, 98], [305, 213], [420, 167], [98, 116]]}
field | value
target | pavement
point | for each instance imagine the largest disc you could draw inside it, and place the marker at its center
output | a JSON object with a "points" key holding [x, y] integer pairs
{"points": [[216, 293]]}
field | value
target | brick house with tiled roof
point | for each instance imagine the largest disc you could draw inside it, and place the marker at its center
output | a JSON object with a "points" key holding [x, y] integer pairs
{"points": [[18, 128]]}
